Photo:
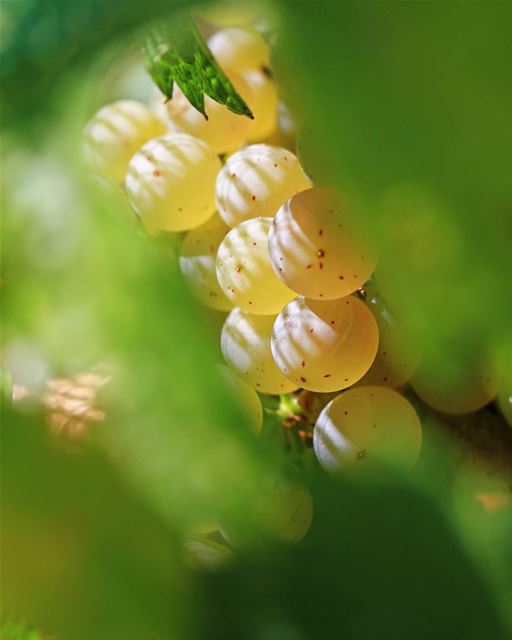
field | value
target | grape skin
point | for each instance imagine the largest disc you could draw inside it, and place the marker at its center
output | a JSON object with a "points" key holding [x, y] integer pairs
{"points": [[367, 425], [170, 182], [245, 397], [244, 270], [240, 49], [285, 512], [398, 357], [325, 346], [224, 130], [197, 263], [114, 134], [245, 345], [256, 181], [263, 102], [470, 387], [315, 248]]}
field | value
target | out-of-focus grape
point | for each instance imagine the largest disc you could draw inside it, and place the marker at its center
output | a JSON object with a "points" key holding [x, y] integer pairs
{"points": [[240, 49], [367, 425], [224, 130], [115, 133], [245, 344], [245, 397], [197, 263]]}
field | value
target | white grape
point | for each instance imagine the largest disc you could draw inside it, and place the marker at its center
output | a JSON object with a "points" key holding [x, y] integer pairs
{"points": [[325, 346], [170, 182], [316, 248], [240, 49], [115, 133], [245, 345], [245, 397], [244, 270], [256, 181], [368, 425], [224, 130], [197, 262], [263, 102]]}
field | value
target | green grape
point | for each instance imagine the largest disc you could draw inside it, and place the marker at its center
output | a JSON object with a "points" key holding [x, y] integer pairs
{"points": [[224, 130], [263, 102], [325, 346], [284, 511], [197, 263], [316, 248], [244, 270], [256, 181], [170, 182], [240, 49], [460, 387], [367, 425], [398, 356], [245, 345], [244, 396], [115, 133]]}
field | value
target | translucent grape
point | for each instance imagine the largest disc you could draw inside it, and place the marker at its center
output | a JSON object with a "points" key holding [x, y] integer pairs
{"points": [[244, 270], [285, 512], [325, 346], [224, 130], [263, 102], [114, 134], [398, 355], [459, 387], [170, 182], [197, 263], [245, 397], [256, 181], [316, 248], [245, 344], [367, 425], [240, 49]]}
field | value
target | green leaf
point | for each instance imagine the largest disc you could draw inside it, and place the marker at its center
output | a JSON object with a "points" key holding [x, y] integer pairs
{"points": [[179, 54]]}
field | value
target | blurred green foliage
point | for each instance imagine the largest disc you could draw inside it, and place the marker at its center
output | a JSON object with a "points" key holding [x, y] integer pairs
{"points": [[409, 108]]}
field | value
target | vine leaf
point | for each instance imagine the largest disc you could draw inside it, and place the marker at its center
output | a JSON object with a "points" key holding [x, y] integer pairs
{"points": [[178, 54]]}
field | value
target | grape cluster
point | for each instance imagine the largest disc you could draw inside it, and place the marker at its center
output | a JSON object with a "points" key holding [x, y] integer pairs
{"points": [[288, 259]]}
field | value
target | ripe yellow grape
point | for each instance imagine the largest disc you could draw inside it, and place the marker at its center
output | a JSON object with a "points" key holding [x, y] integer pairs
{"points": [[461, 387], [197, 263], [398, 356], [285, 512], [224, 130], [245, 397], [325, 346], [245, 345], [256, 181], [115, 133], [240, 48], [170, 182], [263, 102], [367, 425], [316, 248], [244, 270]]}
